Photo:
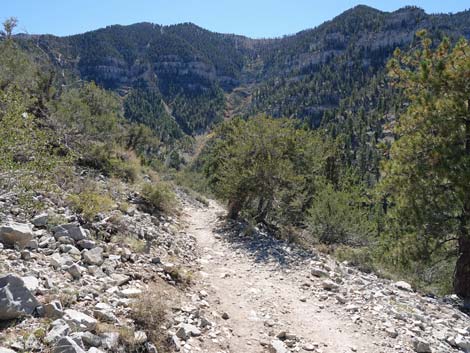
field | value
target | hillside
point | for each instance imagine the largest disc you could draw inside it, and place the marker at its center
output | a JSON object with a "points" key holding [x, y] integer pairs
{"points": [[302, 75], [178, 79], [170, 189]]}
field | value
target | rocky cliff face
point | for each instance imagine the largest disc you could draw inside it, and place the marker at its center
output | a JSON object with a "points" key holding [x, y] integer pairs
{"points": [[187, 61]]}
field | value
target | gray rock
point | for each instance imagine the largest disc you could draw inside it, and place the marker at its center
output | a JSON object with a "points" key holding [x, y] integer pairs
{"points": [[31, 283], [308, 347], [67, 345], [53, 310], [56, 261], [151, 348], [104, 312], [79, 321], [89, 339], [277, 346], [6, 350], [119, 279], [93, 256], [16, 234], [94, 350], [330, 285], [403, 286], [140, 337], [110, 341], [26, 255], [75, 270], [130, 293], [421, 346], [185, 331], [70, 230], [59, 329], [40, 220], [462, 342], [16, 300], [391, 332], [318, 272], [86, 244]]}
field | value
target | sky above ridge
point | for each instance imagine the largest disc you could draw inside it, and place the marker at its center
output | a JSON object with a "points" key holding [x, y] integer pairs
{"points": [[253, 18]]}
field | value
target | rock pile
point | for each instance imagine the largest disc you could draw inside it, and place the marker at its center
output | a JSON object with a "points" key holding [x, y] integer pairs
{"points": [[71, 287]]}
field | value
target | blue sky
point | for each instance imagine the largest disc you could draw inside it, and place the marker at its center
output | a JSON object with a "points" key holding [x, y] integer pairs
{"points": [[254, 18]]}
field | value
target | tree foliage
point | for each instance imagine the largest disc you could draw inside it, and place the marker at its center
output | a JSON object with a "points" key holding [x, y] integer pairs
{"points": [[266, 168], [427, 177]]}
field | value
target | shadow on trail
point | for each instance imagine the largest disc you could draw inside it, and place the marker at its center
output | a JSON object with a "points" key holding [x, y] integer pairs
{"points": [[262, 246]]}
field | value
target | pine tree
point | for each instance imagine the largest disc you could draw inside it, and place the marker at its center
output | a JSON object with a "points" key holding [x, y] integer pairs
{"points": [[428, 174]]}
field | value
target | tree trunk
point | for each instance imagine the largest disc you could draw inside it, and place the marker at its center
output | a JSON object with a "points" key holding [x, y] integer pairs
{"points": [[234, 208], [462, 270], [462, 267]]}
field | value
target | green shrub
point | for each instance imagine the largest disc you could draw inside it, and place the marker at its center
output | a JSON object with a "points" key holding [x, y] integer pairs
{"points": [[159, 196], [111, 162], [338, 216], [361, 257], [90, 203]]}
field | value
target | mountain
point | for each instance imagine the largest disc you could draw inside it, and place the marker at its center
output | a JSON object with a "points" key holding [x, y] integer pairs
{"points": [[189, 78]]}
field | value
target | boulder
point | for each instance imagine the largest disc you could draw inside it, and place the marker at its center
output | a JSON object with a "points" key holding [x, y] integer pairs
{"points": [[31, 283], [89, 339], [130, 293], [6, 350], [16, 234], [403, 286], [59, 329], [53, 309], [55, 260], [104, 312], [75, 270], [67, 345], [40, 220], [318, 272], [391, 332], [16, 300], [277, 346], [93, 256], [79, 321], [421, 346], [94, 350], [110, 341], [70, 230], [462, 342], [185, 331], [330, 285], [86, 244]]}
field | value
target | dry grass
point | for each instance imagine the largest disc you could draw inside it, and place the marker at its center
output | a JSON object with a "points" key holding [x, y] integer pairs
{"points": [[150, 311]]}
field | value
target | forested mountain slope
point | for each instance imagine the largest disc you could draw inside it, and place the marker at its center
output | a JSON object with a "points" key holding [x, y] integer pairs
{"points": [[176, 79]]}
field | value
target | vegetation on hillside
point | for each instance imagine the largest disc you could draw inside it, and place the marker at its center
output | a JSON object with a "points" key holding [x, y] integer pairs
{"points": [[372, 161]]}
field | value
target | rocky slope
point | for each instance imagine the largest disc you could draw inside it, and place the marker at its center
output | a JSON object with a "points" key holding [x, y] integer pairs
{"points": [[64, 288]]}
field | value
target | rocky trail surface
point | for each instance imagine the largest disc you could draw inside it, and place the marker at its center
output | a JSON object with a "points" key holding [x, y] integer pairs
{"points": [[71, 286], [264, 295]]}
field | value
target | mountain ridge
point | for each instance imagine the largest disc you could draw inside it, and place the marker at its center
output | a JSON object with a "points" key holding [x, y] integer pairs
{"points": [[317, 75]]}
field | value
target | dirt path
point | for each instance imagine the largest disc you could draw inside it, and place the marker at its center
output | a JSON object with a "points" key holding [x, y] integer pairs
{"points": [[262, 298]]}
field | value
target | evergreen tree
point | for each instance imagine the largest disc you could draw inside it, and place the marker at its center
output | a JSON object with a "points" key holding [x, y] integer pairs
{"points": [[428, 174]]}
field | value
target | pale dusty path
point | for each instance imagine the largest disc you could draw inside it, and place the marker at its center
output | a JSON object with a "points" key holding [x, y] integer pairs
{"points": [[262, 299]]}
